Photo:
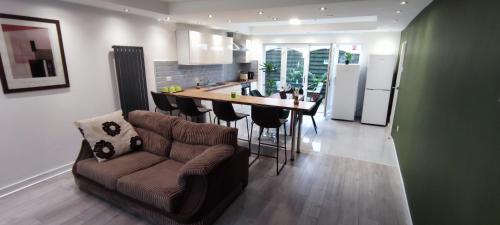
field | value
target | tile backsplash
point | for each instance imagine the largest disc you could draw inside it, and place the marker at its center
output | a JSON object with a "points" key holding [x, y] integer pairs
{"points": [[171, 73]]}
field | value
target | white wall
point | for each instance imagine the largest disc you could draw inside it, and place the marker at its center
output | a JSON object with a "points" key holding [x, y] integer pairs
{"points": [[384, 43], [36, 128]]}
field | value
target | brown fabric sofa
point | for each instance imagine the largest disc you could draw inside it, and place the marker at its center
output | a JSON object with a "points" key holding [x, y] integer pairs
{"points": [[186, 173]]}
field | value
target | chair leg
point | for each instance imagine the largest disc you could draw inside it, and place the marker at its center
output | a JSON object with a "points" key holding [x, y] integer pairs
{"points": [[210, 117], [277, 151], [170, 112], [314, 124], [228, 124], [248, 134], [260, 135]]}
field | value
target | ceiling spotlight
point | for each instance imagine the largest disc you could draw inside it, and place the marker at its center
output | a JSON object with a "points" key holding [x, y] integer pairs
{"points": [[229, 21], [295, 21], [404, 2], [322, 8], [398, 12], [275, 18], [126, 10], [260, 12], [210, 16]]}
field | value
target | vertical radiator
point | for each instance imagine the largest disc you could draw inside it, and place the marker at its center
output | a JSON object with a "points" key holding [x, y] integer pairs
{"points": [[131, 76]]}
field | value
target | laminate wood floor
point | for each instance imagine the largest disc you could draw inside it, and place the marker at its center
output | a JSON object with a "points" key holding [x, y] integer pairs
{"points": [[320, 187]]}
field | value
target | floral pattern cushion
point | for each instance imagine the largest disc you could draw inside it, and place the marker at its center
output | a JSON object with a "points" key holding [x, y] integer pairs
{"points": [[109, 135]]}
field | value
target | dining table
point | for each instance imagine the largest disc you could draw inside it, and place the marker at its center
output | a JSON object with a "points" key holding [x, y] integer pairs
{"points": [[272, 101]]}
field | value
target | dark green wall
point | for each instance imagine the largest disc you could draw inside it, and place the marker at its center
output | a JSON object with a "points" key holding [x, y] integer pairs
{"points": [[448, 114]]}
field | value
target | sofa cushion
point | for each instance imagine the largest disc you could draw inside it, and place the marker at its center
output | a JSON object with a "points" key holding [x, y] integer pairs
{"points": [[156, 185], [183, 152], [109, 135], [204, 134], [154, 143], [155, 129], [107, 173]]}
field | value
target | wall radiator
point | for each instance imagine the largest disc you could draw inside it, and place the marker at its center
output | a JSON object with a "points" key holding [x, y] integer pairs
{"points": [[131, 76]]}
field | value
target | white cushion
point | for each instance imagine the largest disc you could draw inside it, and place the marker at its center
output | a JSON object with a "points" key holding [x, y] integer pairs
{"points": [[109, 135]]}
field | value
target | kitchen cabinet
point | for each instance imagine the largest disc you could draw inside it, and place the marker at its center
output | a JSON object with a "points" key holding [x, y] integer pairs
{"points": [[199, 48]]}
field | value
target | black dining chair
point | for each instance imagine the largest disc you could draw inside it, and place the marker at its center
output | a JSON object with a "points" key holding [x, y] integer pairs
{"points": [[224, 111], [162, 103], [268, 117], [188, 107], [256, 93], [313, 112]]}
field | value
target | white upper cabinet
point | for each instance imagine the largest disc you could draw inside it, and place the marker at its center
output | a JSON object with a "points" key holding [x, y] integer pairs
{"points": [[198, 48]]}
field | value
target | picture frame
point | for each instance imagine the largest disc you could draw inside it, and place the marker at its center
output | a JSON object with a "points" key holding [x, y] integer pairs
{"points": [[32, 54]]}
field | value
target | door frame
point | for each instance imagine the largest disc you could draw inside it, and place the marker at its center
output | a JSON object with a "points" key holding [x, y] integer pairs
{"points": [[307, 46], [402, 55]]}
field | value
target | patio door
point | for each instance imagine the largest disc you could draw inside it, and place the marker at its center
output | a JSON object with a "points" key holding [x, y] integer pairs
{"points": [[305, 66], [292, 65]]}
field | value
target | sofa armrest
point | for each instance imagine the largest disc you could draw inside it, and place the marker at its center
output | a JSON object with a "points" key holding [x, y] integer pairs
{"points": [[204, 192], [85, 153], [204, 163]]}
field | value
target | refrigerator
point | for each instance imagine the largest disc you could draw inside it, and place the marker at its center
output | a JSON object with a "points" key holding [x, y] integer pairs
{"points": [[379, 77], [345, 92]]}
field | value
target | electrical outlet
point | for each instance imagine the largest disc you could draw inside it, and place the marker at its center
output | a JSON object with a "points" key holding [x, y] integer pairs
{"points": [[169, 78], [397, 128]]}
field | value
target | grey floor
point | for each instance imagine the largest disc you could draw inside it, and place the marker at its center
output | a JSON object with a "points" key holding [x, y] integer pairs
{"points": [[346, 174]]}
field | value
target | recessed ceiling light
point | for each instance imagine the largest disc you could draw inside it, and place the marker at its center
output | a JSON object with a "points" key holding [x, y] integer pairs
{"points": [[210, 16], [168, 18], [260, 12], [126, 10], [398, 12], [229, 21], [275, 18], [295, 21], [404, 2], [322, 8]]}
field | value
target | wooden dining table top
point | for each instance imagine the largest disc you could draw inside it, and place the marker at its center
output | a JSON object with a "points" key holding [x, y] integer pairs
{"points": [[245, 100]]}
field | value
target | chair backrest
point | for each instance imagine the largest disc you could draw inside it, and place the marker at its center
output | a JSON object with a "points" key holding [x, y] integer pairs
{"points": [[316, 106], [266, 117], [161, 101], [256, 93], [187, 106], [224, 111], [283, 95]]}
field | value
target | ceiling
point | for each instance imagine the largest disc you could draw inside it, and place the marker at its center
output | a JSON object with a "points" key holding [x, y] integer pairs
{"points": [[271, 17]]}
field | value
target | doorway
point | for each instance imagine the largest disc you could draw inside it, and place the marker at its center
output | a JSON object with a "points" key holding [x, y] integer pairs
{"points": [[305, 66]]}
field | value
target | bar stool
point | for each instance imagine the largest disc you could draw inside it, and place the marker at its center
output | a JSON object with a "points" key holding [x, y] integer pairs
{"points": [[162, 103], [224, 111], [268, 117], [313, 111], [188, 107]]}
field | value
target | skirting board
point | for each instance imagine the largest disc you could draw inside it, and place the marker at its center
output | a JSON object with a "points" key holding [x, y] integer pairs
{"points": [[15, 187], [408, 219]]}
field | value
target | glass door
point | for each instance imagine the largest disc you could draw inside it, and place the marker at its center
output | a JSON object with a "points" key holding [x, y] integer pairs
{"points": [[296, 68], [273, 78]]}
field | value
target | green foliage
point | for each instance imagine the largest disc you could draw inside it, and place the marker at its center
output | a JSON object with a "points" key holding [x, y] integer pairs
{"points": [[268, 67], [270, 85], [315, 80], [348, 56]]}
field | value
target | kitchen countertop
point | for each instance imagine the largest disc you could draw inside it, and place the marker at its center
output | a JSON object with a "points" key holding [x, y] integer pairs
{"points": [[227, 84]]}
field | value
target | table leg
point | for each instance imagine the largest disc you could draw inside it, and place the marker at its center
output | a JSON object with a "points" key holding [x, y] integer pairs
{"points": [[293, 125], [299, 133]]}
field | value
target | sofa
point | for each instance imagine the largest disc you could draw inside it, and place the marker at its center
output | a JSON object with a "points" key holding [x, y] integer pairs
{"points": [[185, 173]]}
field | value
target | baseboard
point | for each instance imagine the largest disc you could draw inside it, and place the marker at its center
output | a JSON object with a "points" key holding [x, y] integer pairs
{"points": [[15, 187], [408, 219]]}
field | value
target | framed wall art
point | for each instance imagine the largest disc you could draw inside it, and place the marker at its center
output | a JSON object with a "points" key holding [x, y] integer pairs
{"points": [[31, 54]]}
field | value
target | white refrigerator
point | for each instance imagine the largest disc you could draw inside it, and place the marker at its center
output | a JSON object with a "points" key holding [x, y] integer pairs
{"points": [[346, 92], [380, 73]]}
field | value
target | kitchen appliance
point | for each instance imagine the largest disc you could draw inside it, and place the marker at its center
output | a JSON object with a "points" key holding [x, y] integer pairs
{"points": [[380, 74], [243, 76], [345, 92], [245, 88], [251, 75]]}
